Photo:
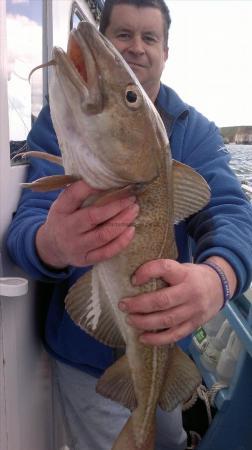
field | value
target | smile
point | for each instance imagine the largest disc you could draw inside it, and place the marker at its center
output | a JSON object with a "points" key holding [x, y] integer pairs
{"points": [[133, 64]]}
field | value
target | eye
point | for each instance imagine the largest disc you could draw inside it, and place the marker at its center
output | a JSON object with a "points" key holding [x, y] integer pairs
{"points": [[123, 36], [133, 97], [150, 39]]}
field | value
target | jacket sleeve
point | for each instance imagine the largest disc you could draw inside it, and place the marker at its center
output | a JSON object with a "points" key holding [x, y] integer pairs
{"points": [[224, 227], [33, 207]]}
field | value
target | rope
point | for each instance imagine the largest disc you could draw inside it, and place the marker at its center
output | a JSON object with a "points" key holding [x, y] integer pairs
{"points": [[206, 395], [216, 387]]}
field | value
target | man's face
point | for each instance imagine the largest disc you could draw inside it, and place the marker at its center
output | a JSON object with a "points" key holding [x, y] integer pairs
{"points": [[138, 34]]}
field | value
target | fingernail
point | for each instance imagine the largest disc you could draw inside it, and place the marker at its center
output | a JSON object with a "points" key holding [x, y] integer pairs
{"points": [[128, 320], [122, 306], [130, 231], [133, 279], [135, 209], [142, 339]]}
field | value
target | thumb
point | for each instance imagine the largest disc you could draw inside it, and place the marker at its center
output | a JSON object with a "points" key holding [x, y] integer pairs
{"points": [[169, 270], [73, 196]]}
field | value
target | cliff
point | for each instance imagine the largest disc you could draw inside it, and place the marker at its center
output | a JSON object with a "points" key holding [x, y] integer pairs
{"points": [[238, 135]]}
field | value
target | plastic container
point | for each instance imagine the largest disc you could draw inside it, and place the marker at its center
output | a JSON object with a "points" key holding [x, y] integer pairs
{"points": [[228, 358], [212, 326], [215, 345], [210, 329]]}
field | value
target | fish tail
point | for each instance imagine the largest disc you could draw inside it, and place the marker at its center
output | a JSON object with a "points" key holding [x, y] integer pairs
{"points": [[127, 440]]}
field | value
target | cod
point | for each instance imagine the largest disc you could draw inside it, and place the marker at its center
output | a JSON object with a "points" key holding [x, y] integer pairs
{"points": [[111, 135]]}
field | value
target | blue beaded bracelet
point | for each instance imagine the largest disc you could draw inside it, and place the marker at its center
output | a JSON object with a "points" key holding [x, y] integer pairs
{"points": [[223, 279]]}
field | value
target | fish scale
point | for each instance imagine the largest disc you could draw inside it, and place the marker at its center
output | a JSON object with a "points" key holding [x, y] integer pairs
{"points": [[122, 146]]}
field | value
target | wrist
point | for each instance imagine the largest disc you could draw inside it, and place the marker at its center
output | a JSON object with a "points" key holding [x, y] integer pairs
{"points": [[226, 275], [228, 271], [222, 279], [47, 251]]}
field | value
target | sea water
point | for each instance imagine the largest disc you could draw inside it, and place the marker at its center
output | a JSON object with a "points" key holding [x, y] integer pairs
{"points": [[241, 162]]}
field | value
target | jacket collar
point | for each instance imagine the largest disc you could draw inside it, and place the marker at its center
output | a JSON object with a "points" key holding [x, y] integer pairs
{"points": [[170, 107]]}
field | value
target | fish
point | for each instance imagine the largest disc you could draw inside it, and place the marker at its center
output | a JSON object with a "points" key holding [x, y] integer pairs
{"points": [[112, 136]]}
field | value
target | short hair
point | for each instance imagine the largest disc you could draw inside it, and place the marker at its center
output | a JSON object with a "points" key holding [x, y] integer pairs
{"points": [[158, 4]]}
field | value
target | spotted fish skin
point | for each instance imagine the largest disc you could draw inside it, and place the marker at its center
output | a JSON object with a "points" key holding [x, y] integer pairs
{"points": [[114, 144]]}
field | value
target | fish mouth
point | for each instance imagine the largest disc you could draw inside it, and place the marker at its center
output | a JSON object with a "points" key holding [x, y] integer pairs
{"points": [[80, 67]]}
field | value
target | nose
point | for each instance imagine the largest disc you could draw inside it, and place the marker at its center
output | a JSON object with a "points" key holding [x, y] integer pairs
{"points": [[136, 46]]}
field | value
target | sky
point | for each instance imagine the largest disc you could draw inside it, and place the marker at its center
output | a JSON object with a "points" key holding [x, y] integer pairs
{"points": [[29, 8], [210, 58], [24, 44], [209, 64]]}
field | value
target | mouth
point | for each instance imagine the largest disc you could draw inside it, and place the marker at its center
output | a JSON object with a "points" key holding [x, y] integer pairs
{"points": [[81, 56], [75, 54], [83, 62], [135, 64]]}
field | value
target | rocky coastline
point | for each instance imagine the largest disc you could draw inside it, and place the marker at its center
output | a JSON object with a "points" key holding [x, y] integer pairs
{"points": [[237, 135]]}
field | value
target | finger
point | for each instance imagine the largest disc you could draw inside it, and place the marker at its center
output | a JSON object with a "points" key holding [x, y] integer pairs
{"points": [[160, 300], [169, 336], [160, 320], [77, 244], [169, 270], [111, 249], [107, 197], [73, 197], [107, 232], [96, 215]]}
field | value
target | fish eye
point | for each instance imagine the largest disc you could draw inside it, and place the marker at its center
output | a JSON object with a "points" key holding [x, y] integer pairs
{"points": [[133, 96]]}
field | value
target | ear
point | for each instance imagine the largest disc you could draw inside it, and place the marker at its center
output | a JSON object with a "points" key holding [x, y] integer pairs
{"points": [[166, 53]]}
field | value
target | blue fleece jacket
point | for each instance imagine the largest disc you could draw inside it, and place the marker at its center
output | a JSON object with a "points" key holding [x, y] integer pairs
{"points": [[223, 228]]}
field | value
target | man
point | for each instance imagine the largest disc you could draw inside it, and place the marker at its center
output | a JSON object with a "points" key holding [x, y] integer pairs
{"points": [[53, 238]]}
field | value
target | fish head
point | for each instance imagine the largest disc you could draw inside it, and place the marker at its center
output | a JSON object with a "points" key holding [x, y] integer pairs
{"points": [[102, 115]]}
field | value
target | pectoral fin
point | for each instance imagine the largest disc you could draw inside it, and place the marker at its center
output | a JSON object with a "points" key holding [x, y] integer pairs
{"points": [[116, 384], [88, 307], [190, 191], [181, 380], [104, 197], [40, 155], [51, 183]]}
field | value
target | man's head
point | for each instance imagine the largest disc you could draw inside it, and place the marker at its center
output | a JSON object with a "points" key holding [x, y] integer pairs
{"points": [[139, 31], [158, 4]]}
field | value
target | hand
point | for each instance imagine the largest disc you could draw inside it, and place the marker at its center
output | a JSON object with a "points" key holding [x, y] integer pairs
{"points": [[193, 296], [73, 235]]}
